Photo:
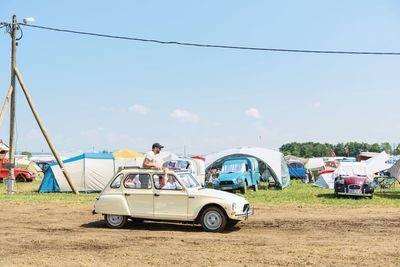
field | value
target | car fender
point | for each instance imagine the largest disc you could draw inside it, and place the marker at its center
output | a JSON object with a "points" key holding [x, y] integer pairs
{"points": [[112, 204], [195, 207], [249, 178]]}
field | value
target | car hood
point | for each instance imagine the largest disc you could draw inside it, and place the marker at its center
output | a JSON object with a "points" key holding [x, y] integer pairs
{"points": [[207, 192]]}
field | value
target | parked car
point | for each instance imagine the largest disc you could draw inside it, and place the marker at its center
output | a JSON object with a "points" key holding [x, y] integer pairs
{"points": [[297, 170], [238, 174], [136, 194], [19, 174], [44, 165], [354, 186]]}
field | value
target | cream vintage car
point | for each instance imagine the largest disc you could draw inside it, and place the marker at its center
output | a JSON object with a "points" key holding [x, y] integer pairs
{"points": [[136, 194]]}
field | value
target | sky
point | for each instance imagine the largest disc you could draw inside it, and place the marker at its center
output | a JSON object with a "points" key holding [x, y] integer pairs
{"points": [[98, 94]]}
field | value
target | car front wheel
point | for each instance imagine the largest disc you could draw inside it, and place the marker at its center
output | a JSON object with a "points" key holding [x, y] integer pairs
{"points": [[213, 219], [255, 187], [243, 190], [115, 221]]}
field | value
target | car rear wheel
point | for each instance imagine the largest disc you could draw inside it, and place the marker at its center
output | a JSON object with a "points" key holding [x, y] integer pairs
{"points": [[115, 221], [213, 219]]}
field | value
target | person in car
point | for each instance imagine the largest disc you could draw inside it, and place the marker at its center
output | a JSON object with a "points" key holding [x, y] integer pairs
{"points": [[160, 180], [172, 184], [132, 182]]}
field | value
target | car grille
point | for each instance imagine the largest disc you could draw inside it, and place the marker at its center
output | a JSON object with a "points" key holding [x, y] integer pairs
{"points": [[354, 187], [246, 207], [226, 182]]}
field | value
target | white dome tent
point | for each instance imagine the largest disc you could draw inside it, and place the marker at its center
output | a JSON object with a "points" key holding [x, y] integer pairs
{"points": [[269, 160]]}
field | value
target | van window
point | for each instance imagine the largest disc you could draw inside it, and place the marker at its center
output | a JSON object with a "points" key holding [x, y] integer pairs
{"points": [[233, 168]]}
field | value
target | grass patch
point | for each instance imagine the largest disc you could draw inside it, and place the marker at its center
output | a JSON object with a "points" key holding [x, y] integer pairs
{"points": [[307, 195], [296, 195], [27, 193]]}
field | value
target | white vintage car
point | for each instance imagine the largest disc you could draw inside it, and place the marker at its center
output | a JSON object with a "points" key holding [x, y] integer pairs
{"points": [[136, 194]]}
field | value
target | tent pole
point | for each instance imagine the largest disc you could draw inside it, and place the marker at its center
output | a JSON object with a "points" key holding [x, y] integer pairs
{"points": [[46, 136]]}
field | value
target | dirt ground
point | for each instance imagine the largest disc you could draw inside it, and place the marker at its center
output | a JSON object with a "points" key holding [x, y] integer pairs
{"points": [[51, 234]]}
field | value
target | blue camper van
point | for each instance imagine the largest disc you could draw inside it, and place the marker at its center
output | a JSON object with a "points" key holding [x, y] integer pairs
{"points": [[238, 174]]}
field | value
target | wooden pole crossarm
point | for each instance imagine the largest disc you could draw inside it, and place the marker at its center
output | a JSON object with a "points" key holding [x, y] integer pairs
{"points": [[46, 136], [5, 105]]}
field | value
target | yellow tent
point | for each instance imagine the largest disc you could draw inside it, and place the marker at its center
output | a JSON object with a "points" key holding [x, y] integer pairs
{"points": [[126, 153]]}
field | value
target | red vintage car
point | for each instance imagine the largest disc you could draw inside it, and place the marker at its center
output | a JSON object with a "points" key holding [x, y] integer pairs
{"points": [[354, 186], [20, 175]]}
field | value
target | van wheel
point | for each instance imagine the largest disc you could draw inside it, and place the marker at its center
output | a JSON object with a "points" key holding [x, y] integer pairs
{"points": [[213, 219], [115, 221], [255, 187], [20, 178], [243, 190]]}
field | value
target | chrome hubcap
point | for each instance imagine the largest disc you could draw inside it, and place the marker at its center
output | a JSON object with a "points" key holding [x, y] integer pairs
{"points": [[213, 220], [115, 220]]}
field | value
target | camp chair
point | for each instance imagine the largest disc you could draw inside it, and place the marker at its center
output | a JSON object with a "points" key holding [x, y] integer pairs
{"points": [[387, 183]]}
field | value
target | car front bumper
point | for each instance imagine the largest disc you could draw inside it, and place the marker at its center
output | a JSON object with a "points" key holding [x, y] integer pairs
{"points": [[228, 187], [245, 215]]}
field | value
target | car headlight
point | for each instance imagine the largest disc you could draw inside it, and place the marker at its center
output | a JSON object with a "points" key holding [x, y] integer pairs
{"points": [[215, 181], [240, 180], [233, 206]]}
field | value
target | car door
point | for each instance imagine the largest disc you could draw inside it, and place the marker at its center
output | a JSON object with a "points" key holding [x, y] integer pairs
{"points": [[170, 204], [139, 193]]}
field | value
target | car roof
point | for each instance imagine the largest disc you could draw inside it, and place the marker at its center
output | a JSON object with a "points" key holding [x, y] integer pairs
{"points": [[131, 170]]}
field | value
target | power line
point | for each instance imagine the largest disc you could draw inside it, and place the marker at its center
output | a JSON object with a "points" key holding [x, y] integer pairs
{"points": [[214, 45]]}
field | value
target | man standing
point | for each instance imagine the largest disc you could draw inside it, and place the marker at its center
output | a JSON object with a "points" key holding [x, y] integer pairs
{"points": [[150, 157]]}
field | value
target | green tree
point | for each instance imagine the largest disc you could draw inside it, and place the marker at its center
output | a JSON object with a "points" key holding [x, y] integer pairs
{"points": [[397, 150], [27, 153], [387, 148]]}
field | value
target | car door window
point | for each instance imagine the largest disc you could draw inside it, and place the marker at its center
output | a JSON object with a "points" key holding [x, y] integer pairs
{"points": [[117, 181], [137, 181], [171, 183]]}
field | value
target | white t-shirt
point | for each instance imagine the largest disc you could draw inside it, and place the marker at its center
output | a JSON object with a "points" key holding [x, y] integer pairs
{"points": [[151, 156]]}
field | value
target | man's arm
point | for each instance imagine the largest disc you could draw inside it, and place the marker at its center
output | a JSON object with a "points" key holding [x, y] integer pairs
{"points": [[164, 180]]}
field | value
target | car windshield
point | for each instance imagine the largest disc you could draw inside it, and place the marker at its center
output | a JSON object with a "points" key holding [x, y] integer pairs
{"points": [[188, 180], [233, 168]]}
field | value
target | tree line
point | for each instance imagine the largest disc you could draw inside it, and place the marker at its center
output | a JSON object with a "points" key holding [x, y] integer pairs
{"points": [[350, 149]]}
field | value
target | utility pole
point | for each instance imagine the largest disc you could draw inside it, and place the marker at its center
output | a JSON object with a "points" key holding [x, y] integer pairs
{"points": [[11, 178], [11, 95]]}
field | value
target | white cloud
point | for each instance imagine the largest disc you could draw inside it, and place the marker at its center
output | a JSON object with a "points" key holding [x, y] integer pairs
{"points": [[253, 112], [317, 104], [185, 116], [139, 109]]}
